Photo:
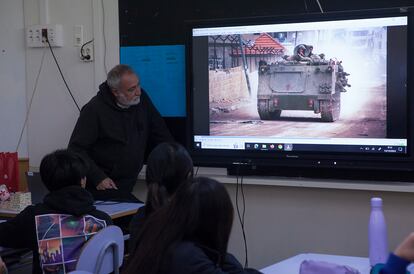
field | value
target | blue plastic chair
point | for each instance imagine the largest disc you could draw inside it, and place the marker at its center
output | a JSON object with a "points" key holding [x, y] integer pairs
{"points": [[103, 253]]}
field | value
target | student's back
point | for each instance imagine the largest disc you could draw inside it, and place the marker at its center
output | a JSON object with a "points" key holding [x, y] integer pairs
{"points": [[56, 229], [168, 166], [190, 235], [189, 257]]}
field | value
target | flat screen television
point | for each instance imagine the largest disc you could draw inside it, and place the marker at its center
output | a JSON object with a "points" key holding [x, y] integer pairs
{"points": [[319, 95]]}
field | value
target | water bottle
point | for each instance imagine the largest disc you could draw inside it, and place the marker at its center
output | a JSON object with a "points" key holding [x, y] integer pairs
{"points": [[377, 230]]}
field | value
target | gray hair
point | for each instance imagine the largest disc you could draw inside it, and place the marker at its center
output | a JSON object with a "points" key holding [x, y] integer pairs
{"points": [[113, 78]]}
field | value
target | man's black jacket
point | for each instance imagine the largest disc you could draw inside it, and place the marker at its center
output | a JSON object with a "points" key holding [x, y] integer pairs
{"points": [[114, 139]]}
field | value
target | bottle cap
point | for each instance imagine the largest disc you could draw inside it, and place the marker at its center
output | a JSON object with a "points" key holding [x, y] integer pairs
{"points": [[376, 201]]}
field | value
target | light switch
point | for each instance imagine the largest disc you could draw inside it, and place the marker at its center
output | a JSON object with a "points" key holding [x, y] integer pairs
{"points": [[78, 35]]}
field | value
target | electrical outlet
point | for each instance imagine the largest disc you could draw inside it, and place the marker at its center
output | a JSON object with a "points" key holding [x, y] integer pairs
{"points": [[44, 35], [86, 53], [36, 36]]}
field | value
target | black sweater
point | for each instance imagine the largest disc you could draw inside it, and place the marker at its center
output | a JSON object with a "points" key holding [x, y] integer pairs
{"points": [[188, 257], [20, 232], [114, 139], [191, 258]]}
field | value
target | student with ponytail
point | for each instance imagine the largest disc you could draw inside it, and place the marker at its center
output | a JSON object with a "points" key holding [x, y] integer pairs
{"points": [[168, 166]]}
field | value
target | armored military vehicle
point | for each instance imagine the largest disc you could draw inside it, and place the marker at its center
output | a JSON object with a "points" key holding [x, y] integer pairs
{"points": [[297, 83]]}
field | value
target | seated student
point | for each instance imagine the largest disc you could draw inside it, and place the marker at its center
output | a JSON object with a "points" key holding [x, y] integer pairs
{"points": [[402, 256], [190, 235], [57, 229], [168, 166]]}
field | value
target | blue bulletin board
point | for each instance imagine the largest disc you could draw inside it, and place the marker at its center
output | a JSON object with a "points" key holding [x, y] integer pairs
{"points": [[162, 74]]}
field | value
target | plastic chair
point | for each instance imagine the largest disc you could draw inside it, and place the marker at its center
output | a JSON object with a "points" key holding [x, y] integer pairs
{"points": [[103, 253]]}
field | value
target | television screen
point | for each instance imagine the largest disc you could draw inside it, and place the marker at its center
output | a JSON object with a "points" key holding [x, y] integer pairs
{"points": [[322, 87]]}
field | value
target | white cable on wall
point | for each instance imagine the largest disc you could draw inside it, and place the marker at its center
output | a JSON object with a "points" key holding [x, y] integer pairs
{"points": [[31, 98], [320, 7], [104, 36]]}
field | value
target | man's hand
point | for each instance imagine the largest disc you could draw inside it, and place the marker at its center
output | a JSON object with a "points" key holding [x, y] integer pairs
{"points": [[106, 183], [406, 249]]}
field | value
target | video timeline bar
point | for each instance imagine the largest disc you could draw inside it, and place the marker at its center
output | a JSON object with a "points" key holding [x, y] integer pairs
{"points": [[317, 148], [326, 148]]}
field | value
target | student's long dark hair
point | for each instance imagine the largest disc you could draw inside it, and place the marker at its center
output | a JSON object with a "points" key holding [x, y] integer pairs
{"points": [[200, 211], [168, 166]]}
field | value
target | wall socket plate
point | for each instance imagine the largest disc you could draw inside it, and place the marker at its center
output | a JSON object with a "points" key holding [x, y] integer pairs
{"points": [[78, 35], [34, 36], [86, 53]]}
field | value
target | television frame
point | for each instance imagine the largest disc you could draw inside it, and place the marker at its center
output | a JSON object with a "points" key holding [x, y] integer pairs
{"points": [[309, 164]]}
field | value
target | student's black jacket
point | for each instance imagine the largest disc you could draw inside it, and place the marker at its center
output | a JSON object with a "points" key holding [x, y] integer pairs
{"points": [[20, 232], [188, 257], [114, 139], [191, 258]]}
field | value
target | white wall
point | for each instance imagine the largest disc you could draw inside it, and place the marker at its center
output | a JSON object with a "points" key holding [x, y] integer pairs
{"points": [[12, 77], [285, 221], [53, 114]]}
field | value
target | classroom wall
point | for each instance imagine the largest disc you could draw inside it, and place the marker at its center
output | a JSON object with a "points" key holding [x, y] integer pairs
{"points": [[284, 221], [12, 77], [53, 113]]}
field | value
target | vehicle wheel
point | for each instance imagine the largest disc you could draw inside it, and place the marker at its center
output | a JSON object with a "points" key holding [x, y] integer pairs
{"points": [[264, 113], [269, 115], [330, 110], [274, 115]]}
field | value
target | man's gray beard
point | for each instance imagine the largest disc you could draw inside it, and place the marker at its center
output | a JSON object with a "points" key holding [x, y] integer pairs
{"points": [[122, 103]]}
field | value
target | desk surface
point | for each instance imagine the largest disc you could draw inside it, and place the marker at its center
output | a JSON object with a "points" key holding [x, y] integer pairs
{"points": [[292, 265], [113, 209], [116, 209]]}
